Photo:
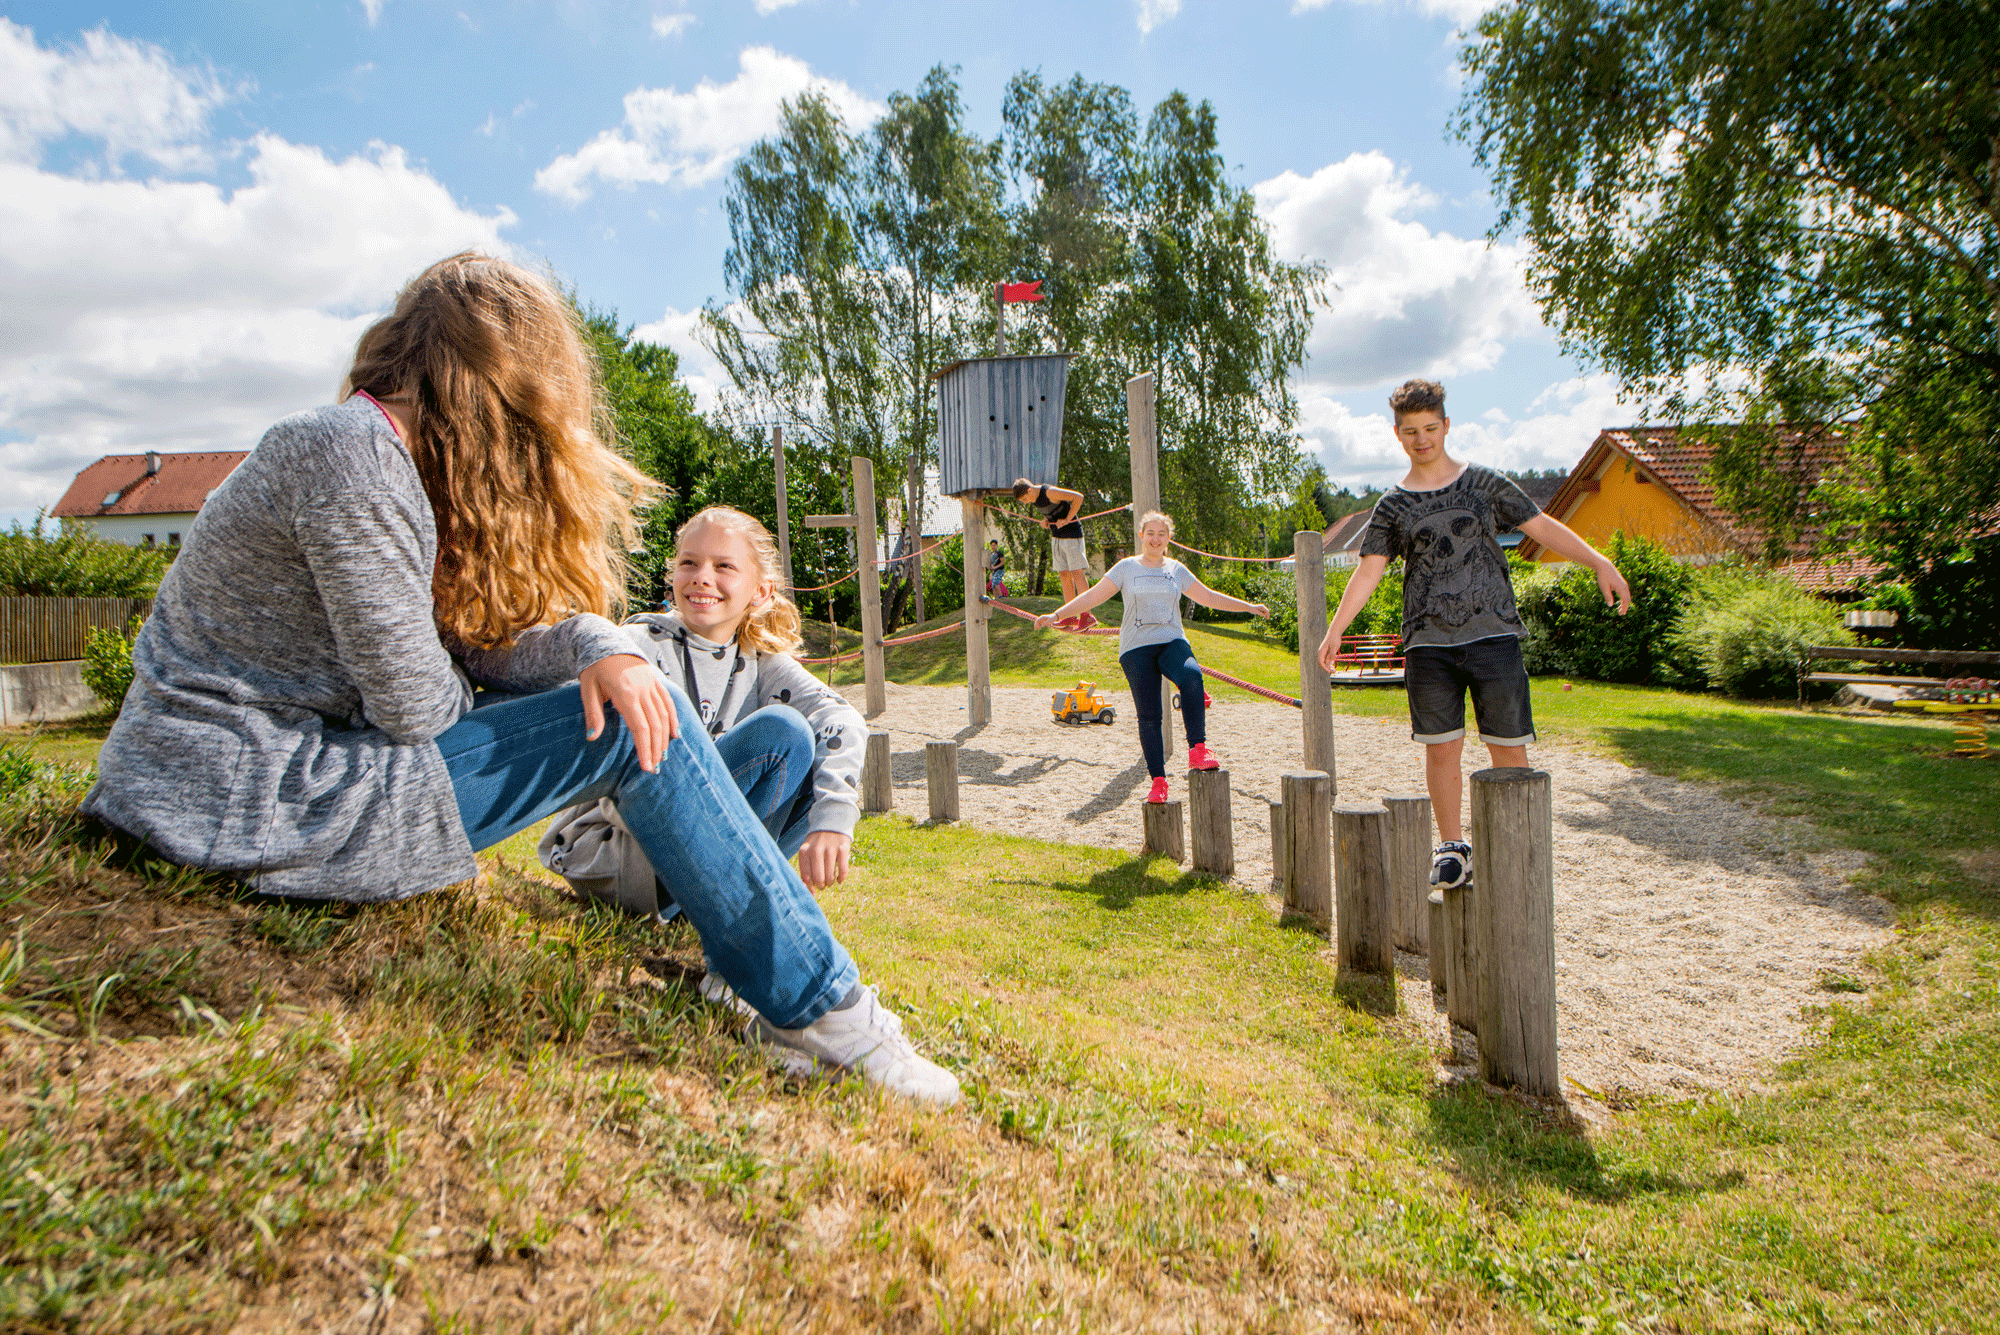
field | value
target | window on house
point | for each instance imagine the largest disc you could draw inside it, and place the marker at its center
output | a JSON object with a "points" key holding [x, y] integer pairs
{"points": [[173, 539], [146, 540]]}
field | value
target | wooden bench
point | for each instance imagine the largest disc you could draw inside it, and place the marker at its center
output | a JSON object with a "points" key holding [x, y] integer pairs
{"points": [[1958, 658]]}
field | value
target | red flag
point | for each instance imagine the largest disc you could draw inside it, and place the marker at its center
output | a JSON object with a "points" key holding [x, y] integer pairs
{"points": [[1021, 291]]}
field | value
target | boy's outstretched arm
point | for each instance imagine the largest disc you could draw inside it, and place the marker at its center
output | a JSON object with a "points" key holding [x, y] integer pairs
{"points": [[1561, 539], [1360, 585]]}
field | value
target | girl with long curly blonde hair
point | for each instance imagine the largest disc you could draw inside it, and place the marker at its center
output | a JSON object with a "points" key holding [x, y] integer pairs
{"points": [[302, 714]]}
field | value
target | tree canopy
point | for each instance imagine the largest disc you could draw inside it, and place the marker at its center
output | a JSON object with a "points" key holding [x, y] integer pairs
{"points": [[861, 264], [1783, 214]]}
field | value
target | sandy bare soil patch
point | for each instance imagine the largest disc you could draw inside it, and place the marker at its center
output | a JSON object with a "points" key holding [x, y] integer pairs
{"points": [[1690, 931]]}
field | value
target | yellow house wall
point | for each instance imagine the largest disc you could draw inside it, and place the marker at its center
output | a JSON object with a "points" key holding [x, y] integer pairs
{"points": [[1647, 509]]}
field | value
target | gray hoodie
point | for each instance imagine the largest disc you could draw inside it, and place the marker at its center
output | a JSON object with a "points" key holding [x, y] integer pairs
{"points": [[590, 846], [289, 686]]}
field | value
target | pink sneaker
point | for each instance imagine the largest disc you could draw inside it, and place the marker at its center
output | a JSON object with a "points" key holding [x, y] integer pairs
{"points": [[1086, 621], [1159, 793], [1199, 758]]}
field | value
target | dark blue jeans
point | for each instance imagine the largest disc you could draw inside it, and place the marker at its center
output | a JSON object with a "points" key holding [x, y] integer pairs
{"points": [[1144, 667], [522, 758]]}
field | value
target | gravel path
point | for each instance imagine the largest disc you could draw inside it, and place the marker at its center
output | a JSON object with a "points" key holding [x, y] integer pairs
{"points": [[1690, 931]]}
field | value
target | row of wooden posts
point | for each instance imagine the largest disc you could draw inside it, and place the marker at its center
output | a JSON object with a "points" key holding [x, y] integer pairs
{"points": [[1363, 870]]}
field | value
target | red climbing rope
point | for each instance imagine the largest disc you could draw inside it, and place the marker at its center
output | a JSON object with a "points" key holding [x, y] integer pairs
{"points": [[1040, 523], [1253, 688], [818, 587], [1265, 560], [901, 639], [1030, 616], [925, 635]]}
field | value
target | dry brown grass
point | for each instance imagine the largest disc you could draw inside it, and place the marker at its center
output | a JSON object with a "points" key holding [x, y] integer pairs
{"points": [[303, 1119]]}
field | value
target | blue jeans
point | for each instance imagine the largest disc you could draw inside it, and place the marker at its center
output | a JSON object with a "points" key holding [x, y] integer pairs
{"points": [[770, 755], [1144, 667], [522, 758]]}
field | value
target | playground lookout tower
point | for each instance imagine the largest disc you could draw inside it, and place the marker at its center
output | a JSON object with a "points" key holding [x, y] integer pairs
{"points": [[999, 418]]}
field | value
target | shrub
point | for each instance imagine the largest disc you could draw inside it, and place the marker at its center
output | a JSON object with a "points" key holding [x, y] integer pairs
{"points": [[74, 563], [1277, 589], [1746, 632], [107, 663], [17, 768], [1571, 631], [1226, 579], [944, 578]]}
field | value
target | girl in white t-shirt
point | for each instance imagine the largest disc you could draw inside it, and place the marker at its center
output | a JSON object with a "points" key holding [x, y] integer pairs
{"points": [[1152, 644]]}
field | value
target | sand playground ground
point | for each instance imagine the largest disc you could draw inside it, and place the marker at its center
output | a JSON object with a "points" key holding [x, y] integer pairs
{"points": [[1691, 932]]}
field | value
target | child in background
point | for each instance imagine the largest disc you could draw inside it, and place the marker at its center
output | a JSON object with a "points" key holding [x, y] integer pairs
{"points": [[1460, 627], [1152, 643], [996, 570]]}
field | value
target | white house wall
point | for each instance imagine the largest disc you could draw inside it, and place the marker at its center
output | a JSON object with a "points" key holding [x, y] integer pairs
{"points": [[132, 529]]}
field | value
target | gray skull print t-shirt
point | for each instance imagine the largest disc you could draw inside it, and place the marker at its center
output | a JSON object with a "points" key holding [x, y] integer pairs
{"points": [[1455, 586]]}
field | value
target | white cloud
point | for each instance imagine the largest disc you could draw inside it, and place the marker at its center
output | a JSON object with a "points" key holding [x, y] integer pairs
{"points": [[681, 331], [770, 7], [673, 25], [178, 314], [1462, 12], [373, 8], [1360, 449], [1409, 301], [127, 94], [1152, 13], [688, 139]]}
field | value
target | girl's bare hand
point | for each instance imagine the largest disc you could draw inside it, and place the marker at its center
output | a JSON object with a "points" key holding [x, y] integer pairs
{"points": [[823, 859], [629, 685]]}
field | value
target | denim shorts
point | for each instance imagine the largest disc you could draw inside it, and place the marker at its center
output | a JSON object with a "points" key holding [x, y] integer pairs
{"points": [[1437, 676]]}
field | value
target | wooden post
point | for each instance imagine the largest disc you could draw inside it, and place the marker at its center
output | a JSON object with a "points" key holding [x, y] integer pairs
{"points": [[913, 532], [1309, 855], [1410, 869], [1214, 838], [877, 793], [1514, 868], [1460, 951], [784, 525], [1164, 829], [1363, 920], [978, 668], [1434, 911], [1142, 436], [870, 575], [941, 771], [1281, 852], [1315, 687]]}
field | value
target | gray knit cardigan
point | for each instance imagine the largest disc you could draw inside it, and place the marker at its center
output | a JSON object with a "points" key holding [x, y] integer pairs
{"points": [[290, 683]]}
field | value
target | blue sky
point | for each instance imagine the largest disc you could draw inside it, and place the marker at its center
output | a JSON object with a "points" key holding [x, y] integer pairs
{"points": [[204, 203]]}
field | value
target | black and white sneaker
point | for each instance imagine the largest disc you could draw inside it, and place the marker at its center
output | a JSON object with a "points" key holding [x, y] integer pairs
{"points": [[1451, 864]]}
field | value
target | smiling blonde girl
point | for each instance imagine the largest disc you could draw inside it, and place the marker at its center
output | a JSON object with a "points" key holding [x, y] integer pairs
{"points": [[792, 743]]}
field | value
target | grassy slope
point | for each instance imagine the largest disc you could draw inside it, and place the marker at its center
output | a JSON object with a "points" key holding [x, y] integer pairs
{"points": [[472, 1101]]}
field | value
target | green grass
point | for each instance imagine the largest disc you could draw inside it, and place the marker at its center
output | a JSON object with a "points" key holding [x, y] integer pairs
{"points": [[221, 1110]]}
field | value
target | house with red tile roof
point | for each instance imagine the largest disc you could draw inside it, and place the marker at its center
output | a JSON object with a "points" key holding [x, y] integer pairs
{"points": [[1342, 542], [146, 500], [1651, 481]]}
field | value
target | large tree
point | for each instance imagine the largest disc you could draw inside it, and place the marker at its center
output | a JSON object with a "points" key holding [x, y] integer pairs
{"points": [[1783, 213]]}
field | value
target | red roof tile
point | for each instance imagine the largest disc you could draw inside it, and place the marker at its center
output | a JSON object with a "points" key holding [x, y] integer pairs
{"points": [[1679, 464], [1346, 531], [182, 484]]}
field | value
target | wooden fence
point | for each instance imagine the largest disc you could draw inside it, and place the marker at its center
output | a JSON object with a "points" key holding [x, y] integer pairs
{"points": [[52, 630]]}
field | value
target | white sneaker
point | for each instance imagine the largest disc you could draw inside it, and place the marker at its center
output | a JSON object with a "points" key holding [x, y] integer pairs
{"points": [[868, 1038], [718, 993]]}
